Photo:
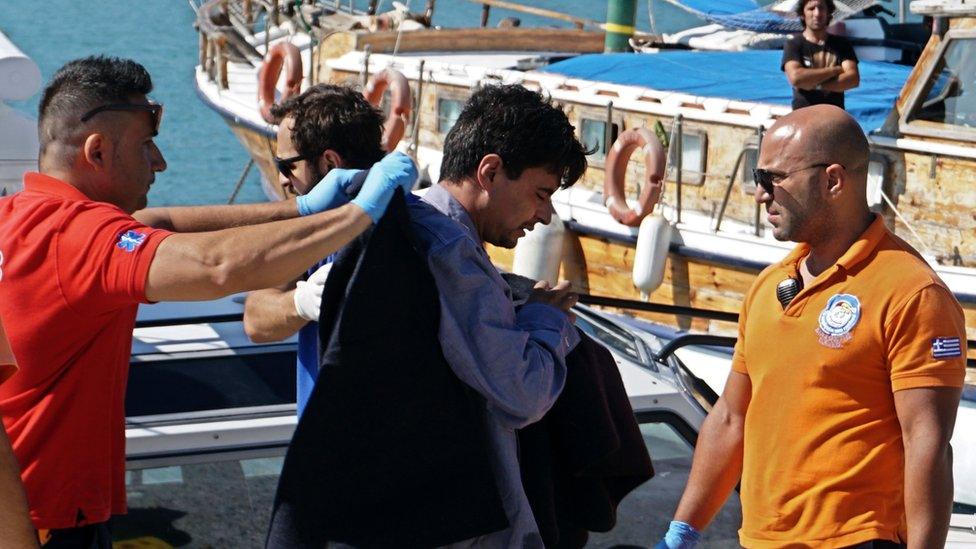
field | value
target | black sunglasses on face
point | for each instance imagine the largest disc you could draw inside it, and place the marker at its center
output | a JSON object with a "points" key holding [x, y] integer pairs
{"points": [[767, 178], [154, 109], [286, 165]]}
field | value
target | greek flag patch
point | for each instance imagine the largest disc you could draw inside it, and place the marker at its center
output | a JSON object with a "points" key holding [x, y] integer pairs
{"points": [[946, 347], [130, 240]]}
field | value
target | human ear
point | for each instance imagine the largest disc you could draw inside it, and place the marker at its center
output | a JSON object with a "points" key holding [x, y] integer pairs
{"points": [[487, 170], [96, 150], [329, 160], [836, 177]]}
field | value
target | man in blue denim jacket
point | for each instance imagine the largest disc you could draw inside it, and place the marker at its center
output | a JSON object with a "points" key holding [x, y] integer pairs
{"points": [[509, 151]]}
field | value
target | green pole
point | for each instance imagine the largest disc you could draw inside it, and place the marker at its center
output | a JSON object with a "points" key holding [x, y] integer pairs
{"points": [[621, 16]]}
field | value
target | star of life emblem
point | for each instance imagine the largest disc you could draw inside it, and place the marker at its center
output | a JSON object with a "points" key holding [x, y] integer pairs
{"points": [[837, 319], [130, 240]]}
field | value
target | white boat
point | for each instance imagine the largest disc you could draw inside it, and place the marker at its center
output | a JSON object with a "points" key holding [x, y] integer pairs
{"points": [[20, 78], [714, 104]]}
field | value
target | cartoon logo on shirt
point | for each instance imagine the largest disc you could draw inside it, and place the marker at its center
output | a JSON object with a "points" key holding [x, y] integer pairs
{"points": [[838, 319], [130, 240]]}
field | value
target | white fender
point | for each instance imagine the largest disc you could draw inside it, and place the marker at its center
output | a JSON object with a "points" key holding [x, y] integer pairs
{"points": [[539, 252], [653, 239]]}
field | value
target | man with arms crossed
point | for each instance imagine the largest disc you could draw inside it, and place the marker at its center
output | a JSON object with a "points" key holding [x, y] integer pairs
{"points": [[839, 409], [77, 263], [819, 65], [325, 131]]}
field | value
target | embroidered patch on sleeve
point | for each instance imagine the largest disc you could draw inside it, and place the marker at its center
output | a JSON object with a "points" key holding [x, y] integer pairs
{"points": [[130, 240], [946, 347]]}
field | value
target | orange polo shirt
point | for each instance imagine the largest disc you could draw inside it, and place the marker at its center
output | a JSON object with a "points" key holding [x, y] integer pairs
{"points": [[823, 455]]}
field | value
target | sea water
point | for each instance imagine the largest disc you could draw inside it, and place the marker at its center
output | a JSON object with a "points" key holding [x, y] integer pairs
{"points": [[204, 158]]}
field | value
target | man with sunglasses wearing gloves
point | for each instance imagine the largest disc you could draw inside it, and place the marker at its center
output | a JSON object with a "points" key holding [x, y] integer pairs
{"points": [[79, 256], [856, 343], [325, 132]]}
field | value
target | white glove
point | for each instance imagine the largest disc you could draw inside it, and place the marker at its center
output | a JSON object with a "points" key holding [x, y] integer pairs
{"points": [[308, 293]]}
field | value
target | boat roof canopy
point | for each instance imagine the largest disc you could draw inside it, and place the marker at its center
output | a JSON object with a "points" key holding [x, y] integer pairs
{"points": [[750, 76]]}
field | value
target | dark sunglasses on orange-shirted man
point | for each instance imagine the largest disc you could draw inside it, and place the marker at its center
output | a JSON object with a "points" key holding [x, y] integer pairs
{"points": [[767, 178], [153, 108]]}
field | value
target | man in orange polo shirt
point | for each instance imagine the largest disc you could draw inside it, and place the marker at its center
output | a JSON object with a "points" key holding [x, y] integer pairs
{"points": [[848, 370], [77, 262]]}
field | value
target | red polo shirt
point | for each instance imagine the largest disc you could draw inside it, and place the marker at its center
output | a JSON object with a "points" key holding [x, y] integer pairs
{"points": [[73, 274]]}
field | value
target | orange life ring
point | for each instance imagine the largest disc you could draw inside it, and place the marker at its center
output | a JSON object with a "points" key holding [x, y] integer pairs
{"points": [[615, 172], [282, 53], [396, 122]]}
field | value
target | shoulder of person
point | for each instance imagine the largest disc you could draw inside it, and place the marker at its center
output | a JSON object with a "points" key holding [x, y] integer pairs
{"points": [[93, 214], [435, 229]]}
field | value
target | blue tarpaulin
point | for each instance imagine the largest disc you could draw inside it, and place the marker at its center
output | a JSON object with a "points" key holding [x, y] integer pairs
{"points": [[719, 7], [753, 76]]}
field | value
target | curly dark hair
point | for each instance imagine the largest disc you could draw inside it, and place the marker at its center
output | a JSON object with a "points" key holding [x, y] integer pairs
{"points": [[800, 4], [337, 118], [82, 85], [521, 127]]}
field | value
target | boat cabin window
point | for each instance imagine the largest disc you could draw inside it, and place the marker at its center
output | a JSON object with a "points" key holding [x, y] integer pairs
{"points": [[593, 134], [609, 335], [949, 94], [693, 147], [448, 111], [750, 161], [243, 379]]}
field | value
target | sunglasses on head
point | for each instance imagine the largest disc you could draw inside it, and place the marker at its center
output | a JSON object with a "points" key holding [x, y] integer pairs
{"points": [[286, 165], [153, 108], [767, 178]]}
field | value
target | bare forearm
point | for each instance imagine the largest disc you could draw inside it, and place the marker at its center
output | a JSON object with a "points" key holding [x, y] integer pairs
{"points": [[808, 79], [16, 529], [928, 493], [193, 219], [715, 471], [210, 265], [846, 81], [270, 315]]}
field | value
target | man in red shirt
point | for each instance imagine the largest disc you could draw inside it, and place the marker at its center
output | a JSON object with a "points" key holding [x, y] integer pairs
{"points": [[77, 263]]}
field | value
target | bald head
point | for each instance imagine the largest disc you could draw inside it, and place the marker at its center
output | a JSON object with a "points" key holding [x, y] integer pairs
{"points": [[823, 134], [818, 158]]}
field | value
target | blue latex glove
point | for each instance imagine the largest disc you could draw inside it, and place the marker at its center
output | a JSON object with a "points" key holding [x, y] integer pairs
{"points": [[330, 192], [395, 170], [681, 535]]}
